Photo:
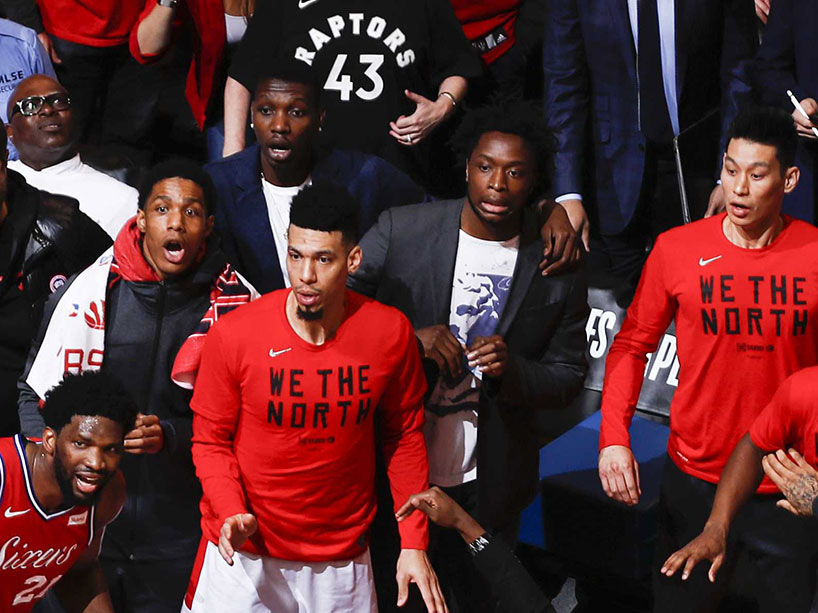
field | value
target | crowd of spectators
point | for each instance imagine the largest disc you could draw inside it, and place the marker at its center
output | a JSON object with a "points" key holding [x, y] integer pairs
{"points": [[474, 166]]}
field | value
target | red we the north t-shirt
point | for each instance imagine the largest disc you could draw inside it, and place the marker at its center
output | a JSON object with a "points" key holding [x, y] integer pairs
{"points": [[790, 420], [284, 429], [746, 319]]}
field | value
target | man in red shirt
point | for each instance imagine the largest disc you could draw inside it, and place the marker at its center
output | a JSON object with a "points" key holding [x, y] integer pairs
{"points": [[59, 495], [743, 289], [790, 420], [284, 433]]}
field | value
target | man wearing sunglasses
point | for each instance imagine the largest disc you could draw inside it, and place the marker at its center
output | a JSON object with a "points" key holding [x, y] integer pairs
{"points": [[42, 128], [44, 239]]}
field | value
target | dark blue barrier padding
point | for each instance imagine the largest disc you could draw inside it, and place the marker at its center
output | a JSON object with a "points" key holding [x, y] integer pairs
{"points": [[574, 519]]}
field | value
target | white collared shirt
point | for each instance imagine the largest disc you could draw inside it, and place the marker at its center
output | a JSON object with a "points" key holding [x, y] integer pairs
{"points": [[107, 201]]}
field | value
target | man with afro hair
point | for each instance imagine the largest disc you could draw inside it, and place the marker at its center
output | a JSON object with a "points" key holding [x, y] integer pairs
{"points": [[507, 342]]}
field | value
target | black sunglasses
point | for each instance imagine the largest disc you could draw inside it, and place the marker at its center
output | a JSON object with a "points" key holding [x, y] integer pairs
{"points": [[34, 104]]}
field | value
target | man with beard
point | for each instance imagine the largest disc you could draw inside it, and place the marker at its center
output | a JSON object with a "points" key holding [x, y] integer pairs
{"points": [[140, 312], [507, 341], [41, 126], [284, 434], [59, 495]]}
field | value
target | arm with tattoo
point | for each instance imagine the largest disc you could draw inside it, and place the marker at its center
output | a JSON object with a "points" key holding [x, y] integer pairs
{"points": [[795, 478]]}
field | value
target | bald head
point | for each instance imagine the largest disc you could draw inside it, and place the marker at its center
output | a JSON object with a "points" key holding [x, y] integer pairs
{"points": [[46, 136]]}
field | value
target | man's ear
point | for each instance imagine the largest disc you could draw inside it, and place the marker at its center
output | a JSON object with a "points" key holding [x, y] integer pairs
{"points": [[467, 170], [354, 259], [141, 222], [791, 178], [49, 441], [210, 221], [9, 132]]}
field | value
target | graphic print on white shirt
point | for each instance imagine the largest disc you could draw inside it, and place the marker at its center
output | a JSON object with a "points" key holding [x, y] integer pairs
{"points": [[482, 279]]}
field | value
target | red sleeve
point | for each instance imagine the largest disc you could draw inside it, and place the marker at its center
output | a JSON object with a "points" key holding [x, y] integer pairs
{"points": [[215, 404], [404, 447], [133, 41], [776, 426], [646, 321]]}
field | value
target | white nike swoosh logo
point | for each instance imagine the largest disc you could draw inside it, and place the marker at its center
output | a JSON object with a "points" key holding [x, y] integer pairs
{"points": [[305, 3], [703, 262], [9, 513], [274, 353]]}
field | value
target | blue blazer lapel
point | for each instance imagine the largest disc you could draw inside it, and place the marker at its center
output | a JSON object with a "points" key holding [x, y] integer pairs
{"points": [[620, 18], [257, 235]]}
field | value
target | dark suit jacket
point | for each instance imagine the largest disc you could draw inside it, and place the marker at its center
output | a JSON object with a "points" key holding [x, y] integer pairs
{"points": [[788, 59], [408, 263], [241, 210], [788, 56], [591, 94]]}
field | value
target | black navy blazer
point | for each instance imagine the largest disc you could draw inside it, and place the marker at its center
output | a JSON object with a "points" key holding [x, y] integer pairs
{"points": [[408, 262], [591, 91]]}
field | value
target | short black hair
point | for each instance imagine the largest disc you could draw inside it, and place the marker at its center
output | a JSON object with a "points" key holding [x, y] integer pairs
{"points": [[767, 126], [95, 393], [291, 71], [509, 116], [184, 169], [326, 207]]}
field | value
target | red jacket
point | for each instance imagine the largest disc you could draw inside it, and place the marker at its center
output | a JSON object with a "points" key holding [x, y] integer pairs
{"points": [[208, 49]]}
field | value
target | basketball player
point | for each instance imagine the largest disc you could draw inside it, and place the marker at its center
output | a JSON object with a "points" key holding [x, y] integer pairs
{"points": [[59, 494], [284, 434]]}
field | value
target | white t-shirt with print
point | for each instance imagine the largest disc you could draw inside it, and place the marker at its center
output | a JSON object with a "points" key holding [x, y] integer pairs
{"points": [[483, 272]]}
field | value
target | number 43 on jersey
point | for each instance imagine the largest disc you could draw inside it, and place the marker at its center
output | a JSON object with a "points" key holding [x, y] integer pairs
{"points": [[339, 81]]}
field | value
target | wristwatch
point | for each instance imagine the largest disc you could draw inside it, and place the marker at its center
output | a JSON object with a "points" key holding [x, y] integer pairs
{"points": [[479, 544], [168, 3]]}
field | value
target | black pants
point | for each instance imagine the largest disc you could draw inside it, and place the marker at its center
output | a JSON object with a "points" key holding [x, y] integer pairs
{"points": [[113, 97], [147, 587], [769, 566], [463, 588]]}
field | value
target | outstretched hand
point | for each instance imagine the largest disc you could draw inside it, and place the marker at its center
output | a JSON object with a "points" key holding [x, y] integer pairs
{"points": [[414, 567], [710, 545], [234, 533]]}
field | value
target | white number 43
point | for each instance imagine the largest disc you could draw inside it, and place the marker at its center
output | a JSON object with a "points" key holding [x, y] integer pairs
{"points": [[343, 82]]}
